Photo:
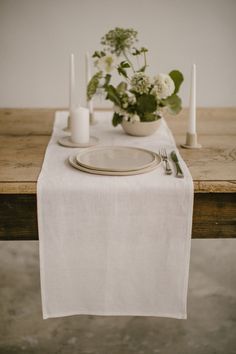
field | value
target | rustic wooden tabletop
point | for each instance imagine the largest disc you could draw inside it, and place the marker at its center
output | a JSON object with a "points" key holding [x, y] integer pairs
{"points": [[24, 134]]}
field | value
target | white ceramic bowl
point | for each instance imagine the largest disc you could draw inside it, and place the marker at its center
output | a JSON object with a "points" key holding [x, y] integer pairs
{"points": [[140, 128]]}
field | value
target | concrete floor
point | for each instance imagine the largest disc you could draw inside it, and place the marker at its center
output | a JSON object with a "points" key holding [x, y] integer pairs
{"points": [[210, 328]]}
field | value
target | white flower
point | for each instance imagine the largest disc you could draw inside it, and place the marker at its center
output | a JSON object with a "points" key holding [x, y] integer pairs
{"points": [[140, 83], [163, 86], [134, 118], [132, 99], [106, 63]]}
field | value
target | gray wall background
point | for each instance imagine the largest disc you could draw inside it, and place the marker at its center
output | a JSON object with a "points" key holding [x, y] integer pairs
{"points": [[36, 38]]}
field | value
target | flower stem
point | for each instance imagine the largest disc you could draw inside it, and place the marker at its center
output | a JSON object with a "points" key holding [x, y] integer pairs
{"points": [[145, 59], [138, 62], [128, 60]]}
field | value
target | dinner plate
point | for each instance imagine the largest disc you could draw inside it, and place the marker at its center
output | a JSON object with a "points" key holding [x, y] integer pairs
{"points": [[116, 158], [73, 162]]}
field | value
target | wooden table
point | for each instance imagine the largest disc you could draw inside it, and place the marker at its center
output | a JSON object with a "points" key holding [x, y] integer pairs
{"points": [[24, 134]]}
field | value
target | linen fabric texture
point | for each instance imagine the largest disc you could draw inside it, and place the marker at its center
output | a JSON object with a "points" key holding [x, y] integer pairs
{"points": [[113, 245]]}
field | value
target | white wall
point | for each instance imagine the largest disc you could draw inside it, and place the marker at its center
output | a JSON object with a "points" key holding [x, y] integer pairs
{"points": [[36, 37]]}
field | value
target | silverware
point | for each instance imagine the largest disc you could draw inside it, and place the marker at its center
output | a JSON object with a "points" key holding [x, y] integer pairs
{"points": [[164, 157], [179, 172]]}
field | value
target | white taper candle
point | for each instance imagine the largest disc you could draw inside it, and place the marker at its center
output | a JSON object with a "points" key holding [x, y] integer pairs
{"points": [[192, 103], [72, 84], [88, 78], [80, 125]]}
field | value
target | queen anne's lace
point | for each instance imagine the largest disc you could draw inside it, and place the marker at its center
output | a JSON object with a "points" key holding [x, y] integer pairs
{"points": [[119, 40]]}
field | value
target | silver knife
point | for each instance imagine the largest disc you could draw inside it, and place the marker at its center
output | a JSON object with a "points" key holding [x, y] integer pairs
{"points": [[179, 172]]}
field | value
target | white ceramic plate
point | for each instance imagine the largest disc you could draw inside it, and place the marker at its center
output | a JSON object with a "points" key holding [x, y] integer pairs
{"points": [[73, 162], [116, 158]]}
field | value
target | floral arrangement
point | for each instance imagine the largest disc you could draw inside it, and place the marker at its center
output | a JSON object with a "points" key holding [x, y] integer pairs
{"points": [[138, 97]]}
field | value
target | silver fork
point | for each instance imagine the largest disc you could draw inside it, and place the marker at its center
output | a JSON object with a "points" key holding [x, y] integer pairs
{"points": [[164, 157]]}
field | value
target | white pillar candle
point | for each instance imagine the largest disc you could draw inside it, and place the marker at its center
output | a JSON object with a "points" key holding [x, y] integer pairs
{"points": [[72, 83], [80, 125], [192, 103], [88, 78]]}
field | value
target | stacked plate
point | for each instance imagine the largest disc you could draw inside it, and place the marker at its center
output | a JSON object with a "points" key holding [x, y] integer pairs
{"points": [[115, 160]]}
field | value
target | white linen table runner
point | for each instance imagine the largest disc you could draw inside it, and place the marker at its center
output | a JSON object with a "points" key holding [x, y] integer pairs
{"points": [[112, 245]]}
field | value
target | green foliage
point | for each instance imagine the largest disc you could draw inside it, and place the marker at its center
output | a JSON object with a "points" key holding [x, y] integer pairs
{"points": [[107, 80], [93, 84], [143, 50], [173, 104], [124, 64], [113, 95], [117, 119], [142, 69], [136, 52], [122, 72], [146, 103], [139, 51], [178, 78], [149, 117], [98, 54], [121, 68], [122, 87]]}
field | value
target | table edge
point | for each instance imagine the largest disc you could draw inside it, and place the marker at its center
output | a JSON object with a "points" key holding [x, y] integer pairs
{"points": [[202, 186]]}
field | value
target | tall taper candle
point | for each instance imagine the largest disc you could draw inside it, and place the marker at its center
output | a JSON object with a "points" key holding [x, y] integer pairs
{"points": [[88, 78], [192, 103], [72, 83]]}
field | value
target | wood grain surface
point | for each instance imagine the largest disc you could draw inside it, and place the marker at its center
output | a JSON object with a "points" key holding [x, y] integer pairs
{"points": [[211, 218], [24, 135]]}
